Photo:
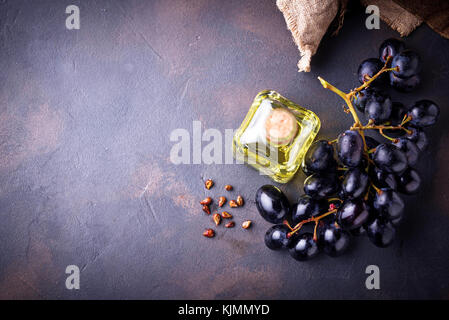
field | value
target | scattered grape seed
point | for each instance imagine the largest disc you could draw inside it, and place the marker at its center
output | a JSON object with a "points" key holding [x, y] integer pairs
{"points": [[230, 224], [217, 219], [209, 233], [239, 201], [246, 224], [233, 204], [206, 209], [226, 215], [221, 201], [208, 184], [207, 201]]}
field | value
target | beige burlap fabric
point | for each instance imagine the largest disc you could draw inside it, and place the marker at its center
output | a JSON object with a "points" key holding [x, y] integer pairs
{"points": [[395, 16], [309, 20]]}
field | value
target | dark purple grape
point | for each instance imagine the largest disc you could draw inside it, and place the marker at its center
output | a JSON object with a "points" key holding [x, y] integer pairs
{"points": [[350, 148], [405, 84], [272, 204], [383, 179], [368, 68], [381, 232], [390, 48], [320, 185], [352, 214], [303, 247], [307, 207], [389, 204], [276, 237], [332, 240], [408, 62], [410, 149], [409, 181], [424, 113], [389, 158], [418, 136], [378, 107], [304, 169], [354, 183], [320, 157], [373, 213], [398, 111], [361, 97]]}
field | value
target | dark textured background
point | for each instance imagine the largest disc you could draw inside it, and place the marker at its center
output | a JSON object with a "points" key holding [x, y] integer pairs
{"points": [[85, 175]]}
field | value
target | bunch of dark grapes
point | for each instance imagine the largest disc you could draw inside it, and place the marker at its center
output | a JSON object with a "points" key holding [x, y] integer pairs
{"points": [[354, 182]]}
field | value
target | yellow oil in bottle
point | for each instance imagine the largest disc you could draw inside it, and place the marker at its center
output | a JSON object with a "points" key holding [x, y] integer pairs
{"points": [[274, 140]]}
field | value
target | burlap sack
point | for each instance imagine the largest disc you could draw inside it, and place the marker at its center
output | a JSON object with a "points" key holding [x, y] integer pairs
{"points": [[308, 22]]}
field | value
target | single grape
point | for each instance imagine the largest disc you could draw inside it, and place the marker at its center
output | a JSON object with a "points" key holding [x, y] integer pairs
{"points": [[378, 107], [368, 68], [381, 232], [398, 111], [373, 214], [305, 169], [409, 181], [383, 179], [361, 97], [390, 48], [333, 240], [424, 113], [320, 157], [276, 237], [410, 149], [408, 63], [405, 84], [352, 214], [272, 204], [354, 183], [418, 136], [321, 185], [303, 247], [350, 148], [307, 207], [388, 203], [389, 158]]}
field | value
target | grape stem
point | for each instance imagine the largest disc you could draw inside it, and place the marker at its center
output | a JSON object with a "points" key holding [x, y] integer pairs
{"points": [[312, 219], [381, 127], [379, 191], [348, 97]]}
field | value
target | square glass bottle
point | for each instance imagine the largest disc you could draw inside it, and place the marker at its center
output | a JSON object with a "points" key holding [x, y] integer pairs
{"points": [[275, 135]]}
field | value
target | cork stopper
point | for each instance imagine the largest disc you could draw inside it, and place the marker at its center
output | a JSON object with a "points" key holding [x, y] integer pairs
{"points": [[281, 127]]}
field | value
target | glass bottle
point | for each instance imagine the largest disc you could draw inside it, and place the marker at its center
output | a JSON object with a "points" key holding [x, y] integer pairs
{"points": [[275, 135]]}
